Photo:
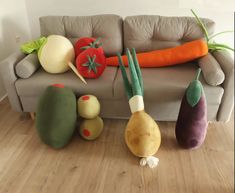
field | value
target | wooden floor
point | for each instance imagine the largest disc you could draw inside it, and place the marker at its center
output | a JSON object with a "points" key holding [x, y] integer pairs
{"points": [[106, 165]]}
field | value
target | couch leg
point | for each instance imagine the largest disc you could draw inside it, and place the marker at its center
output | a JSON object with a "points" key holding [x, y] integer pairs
{"points": [[32, 115]]}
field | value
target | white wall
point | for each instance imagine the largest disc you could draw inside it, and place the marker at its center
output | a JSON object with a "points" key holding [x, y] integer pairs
{"points": [[14, 29], [220, 11]]}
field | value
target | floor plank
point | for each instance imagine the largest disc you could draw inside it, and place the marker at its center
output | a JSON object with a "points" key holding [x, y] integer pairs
{"points": [[106, 165]]}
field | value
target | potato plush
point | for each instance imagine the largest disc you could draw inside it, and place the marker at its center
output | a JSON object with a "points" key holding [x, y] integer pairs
{"points": [[56, 116], [142, 134], [88, 106], [91, 129]]}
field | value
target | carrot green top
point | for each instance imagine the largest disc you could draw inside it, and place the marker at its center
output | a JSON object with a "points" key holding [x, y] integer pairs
{"points": [[136, 85], [212, 45]]}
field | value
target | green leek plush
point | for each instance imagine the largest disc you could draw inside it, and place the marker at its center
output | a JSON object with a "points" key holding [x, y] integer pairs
{"points": [[56, 116], [142, 134]]}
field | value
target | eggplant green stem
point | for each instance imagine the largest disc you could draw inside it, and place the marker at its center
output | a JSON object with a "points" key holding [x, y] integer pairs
{"points": [[198, 73]]}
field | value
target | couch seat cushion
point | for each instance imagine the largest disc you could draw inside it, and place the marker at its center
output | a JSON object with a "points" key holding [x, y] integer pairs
{"points": [[168, 84], [35, 85]]}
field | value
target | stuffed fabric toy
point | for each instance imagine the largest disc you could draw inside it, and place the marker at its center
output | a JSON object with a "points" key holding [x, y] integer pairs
{"points": [[167, 57], [191, 125], [177, 55], [56, 115], [90, 129], [142, 134], [89, 109], [91, 63], [55, 54], [90, 57], [85, 43]]}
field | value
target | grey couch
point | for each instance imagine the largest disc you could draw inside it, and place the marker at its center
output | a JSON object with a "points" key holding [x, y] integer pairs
{"points": [[25, 80]]}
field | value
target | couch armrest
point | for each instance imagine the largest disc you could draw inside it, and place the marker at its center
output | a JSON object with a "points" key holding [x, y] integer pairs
{"points": [[227, 64], [26, 67], [212, 72], [7, 70]]}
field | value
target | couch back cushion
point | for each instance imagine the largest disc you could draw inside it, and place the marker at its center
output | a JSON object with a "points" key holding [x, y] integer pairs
{"points": [[152, 32], [107, 27]]}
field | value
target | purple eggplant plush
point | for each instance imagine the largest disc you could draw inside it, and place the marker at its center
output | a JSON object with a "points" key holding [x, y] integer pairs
{"points": [[191, 125]]}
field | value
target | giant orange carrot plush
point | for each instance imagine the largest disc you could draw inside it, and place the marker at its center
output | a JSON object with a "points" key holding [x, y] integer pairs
{"points": [[176, 55], [142, 134], [167, 57]]}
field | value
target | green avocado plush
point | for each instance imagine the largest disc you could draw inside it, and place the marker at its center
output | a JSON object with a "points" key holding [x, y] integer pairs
{"points": [[56, 115]]}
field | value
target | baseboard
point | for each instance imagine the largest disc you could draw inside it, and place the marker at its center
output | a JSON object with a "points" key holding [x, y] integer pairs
{"points": [[3, 97]]}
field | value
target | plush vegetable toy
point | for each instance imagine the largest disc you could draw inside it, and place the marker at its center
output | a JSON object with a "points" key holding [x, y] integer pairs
{"points": [[91, 129], [55, 53], [88, 106], [176, 55], [167, 57], [86, 43], [91, 63], [191, 125], [56, 115], [142, 134], [89, 109]]}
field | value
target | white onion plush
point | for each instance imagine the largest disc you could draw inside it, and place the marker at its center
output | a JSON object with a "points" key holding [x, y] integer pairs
{"points": [[55, 54]]}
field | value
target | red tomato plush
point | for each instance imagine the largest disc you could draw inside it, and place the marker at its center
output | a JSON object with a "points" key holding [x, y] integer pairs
{"points": [[91, 63], [85, 43]]}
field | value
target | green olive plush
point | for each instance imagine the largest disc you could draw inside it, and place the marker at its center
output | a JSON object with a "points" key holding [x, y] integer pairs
{"points": [[56, 116], [91, 129], [88, 106]]}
